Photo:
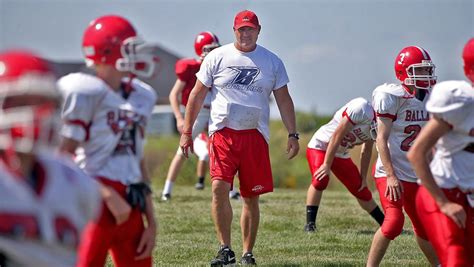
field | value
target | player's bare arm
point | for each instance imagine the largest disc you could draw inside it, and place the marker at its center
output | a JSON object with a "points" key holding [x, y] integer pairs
{"points": [[365, 155], [196, 99], [418, 156], [394, 186], [174, 102], [287, 112], [342, 129], [68, 145]]}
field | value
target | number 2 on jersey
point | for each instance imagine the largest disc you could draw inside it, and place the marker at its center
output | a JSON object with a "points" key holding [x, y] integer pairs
{"points": [[413, 131]]}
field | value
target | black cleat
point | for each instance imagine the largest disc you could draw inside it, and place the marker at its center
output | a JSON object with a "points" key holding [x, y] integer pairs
{"points": [[234, 195], [248, 259], [166, 197], [225, 257], [199, 186], [310, 228]]}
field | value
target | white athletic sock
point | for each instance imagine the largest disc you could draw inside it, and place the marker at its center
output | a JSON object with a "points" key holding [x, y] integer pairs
{"points": [[168, 187]]}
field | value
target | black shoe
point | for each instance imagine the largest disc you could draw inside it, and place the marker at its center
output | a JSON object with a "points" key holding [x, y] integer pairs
{"points": [[310, 228], [166, 197], [234, 195], [225, 257], [248, 259], [199, 186]]}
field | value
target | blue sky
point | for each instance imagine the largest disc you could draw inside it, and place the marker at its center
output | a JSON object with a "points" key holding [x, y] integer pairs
{"points": [[334, 50]]}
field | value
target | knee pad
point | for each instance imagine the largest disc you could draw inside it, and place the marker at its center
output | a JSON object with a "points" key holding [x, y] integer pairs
{"points": [[364, 195], [393, 224], [320, 185]]}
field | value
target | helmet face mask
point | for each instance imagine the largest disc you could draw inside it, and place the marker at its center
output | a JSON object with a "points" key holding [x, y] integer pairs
{"points": [[112, 40], [373, 129], [138, 57], [204, 43], [421, 75], [413, 67], [29, 104]]}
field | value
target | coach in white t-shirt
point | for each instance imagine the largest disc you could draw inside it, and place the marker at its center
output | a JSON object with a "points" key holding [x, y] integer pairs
{"points": [[241, 77]]}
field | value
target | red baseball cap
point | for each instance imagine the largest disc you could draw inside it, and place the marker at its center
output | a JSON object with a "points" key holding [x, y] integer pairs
{"points": [[246, 18]]}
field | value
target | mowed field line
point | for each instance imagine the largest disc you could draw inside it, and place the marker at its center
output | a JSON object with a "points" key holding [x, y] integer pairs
{"points": [[186, 233]]}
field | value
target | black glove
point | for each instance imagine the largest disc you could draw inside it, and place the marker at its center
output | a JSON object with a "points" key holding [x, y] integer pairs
{"points": [[136, 195]]}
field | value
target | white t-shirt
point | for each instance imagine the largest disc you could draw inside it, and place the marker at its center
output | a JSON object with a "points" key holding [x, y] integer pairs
{"points": [[409, 116], [241, 84], [453, 102], [42, 228], [110, 128], [360, 113]]}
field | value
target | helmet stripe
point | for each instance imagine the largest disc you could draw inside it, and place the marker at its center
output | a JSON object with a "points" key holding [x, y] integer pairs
{"points": [[425, 54]]}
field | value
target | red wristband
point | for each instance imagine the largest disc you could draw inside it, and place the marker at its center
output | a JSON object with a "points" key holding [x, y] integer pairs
{"points": [[188, 133]]}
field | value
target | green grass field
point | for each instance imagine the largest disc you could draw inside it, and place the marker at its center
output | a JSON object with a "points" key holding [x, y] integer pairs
{"points": [[186, 233]]}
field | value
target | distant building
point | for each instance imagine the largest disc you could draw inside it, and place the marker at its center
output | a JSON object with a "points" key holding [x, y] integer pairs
{"points": [[162, 121]]}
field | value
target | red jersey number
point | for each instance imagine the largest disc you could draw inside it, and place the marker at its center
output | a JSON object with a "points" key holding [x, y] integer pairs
{"points": [[412, 131]]}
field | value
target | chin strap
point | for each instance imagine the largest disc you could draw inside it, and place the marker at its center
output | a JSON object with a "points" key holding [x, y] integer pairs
{"points": [[127, 87]]}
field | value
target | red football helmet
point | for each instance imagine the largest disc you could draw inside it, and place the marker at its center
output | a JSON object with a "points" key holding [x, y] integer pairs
{"points": [[112, 40], [468, 58], [204, 43], [29, 102], [409, 64]]}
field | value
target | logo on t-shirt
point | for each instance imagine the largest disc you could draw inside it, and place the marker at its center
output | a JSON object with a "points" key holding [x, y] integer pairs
{"points": [[245, 75], [243, 80]]}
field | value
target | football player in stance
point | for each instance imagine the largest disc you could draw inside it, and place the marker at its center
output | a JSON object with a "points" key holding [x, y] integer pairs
{"points": [[104, 128], [401, 113], [45, 200], [445, 200], [328, 149], [186, 70]]}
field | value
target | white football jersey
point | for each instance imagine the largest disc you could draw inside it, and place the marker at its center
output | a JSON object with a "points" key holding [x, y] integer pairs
{"points": [[241, 84], [42, 227], [409, 115], [110, 128], [360, 113], [453, 102]]}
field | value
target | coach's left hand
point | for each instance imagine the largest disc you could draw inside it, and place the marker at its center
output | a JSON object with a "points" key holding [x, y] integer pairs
{"points": [[292, 147]]}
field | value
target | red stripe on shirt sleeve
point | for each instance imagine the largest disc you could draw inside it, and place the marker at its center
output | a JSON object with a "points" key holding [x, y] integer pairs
{"points": [[344, 114], [387, 115]]}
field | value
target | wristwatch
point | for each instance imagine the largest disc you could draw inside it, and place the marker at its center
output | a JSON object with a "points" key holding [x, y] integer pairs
{"points": [[294, 135]]}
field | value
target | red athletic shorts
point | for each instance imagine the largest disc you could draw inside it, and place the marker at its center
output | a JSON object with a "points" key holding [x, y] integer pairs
{"points": [[454, 246], [394, 219], [344, 169], [122, 240], [246, 152]]}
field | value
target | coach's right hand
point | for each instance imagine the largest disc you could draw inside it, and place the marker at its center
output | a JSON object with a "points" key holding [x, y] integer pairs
{"points": [[292, 148], [186, 143]]}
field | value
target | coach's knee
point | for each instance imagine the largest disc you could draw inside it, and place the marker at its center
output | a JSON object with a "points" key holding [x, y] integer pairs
{"points": [[220, 189], [393, 223]]}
